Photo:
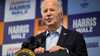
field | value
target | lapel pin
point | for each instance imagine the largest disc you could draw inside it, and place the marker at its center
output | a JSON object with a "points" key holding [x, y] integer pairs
{"points": [[65, 33]]}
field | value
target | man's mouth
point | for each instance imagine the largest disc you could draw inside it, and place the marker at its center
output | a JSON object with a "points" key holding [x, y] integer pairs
{"points": [[48, 20]]}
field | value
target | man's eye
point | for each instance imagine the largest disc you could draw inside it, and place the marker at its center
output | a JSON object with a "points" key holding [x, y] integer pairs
{"points": [[52, 10], [45, 11], [48, 10]]}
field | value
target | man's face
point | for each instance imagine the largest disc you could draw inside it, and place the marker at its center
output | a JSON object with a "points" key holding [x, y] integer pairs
{"points": [[51, 13]]}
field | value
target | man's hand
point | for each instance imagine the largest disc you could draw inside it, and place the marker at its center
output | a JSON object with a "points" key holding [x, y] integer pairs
{"points": [[55, 48], [39, 50]]}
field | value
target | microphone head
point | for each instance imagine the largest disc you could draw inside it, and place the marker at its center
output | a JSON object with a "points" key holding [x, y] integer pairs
{"points": [[34, 43]]}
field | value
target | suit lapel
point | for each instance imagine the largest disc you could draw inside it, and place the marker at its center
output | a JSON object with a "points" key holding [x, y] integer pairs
{"points": [[62, 36], [43, 39]]}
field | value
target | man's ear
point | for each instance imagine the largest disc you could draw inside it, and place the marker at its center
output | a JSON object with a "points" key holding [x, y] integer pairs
{"points": [[61, 14]]}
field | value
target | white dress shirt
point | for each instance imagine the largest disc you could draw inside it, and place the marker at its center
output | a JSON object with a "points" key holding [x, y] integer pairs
{"points": [[52, 38]]}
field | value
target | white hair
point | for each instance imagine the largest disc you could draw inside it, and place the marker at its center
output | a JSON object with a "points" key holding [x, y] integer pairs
{"points": [[59, 3]]}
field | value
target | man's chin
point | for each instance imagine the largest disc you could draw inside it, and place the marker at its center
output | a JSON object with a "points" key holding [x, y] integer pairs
{"points": [[50, 24]]}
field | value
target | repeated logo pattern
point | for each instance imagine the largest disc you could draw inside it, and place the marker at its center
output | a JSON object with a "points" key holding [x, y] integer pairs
{"points": [[19, 19]]}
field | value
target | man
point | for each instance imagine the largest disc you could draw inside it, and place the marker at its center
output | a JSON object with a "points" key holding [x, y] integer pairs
{"points": [[56, 37]]}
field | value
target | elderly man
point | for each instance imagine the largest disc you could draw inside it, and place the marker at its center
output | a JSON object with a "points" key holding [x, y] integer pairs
{"points": [[56, 37]]}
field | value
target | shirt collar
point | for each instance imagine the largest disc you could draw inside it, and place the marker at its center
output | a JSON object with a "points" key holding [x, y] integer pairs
{"points": [[58, 30]]}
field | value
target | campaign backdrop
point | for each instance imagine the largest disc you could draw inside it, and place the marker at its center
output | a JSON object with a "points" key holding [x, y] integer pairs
{"points": [[2, 5], [17, 10], [10, 49], [20, 19], [1, 32], [18, 31], [87, 23], [83, 6]]}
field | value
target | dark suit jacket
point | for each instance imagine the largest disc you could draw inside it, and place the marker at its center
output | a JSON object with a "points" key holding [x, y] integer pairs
{"points": [[71, 40]]}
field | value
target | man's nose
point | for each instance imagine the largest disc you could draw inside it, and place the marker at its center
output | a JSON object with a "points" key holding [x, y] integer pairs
{"points": [[48, 13]]}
